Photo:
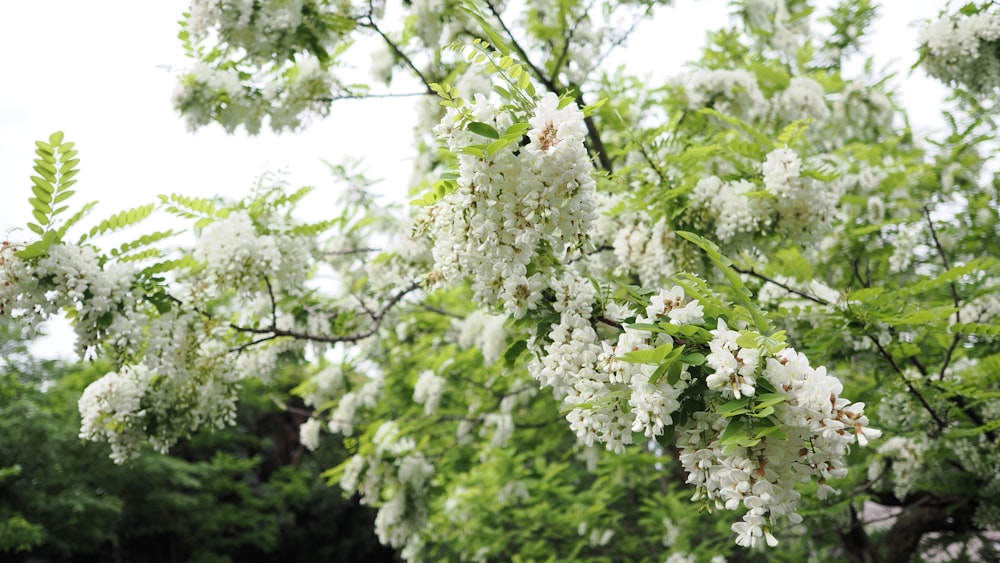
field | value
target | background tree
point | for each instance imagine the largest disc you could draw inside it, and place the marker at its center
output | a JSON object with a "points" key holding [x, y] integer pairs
{"points": [[606, 293], [248, 493]]}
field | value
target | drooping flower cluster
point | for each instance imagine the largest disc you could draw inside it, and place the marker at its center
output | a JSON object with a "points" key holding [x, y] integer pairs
{"points": [[178, 389], [805, 434], [794, 203], [608, 395], [262, 29], [515, 208], [396, 473], [804, 98], [732, 92], [638, 245], [235, 256], [69, 277], [481, 330], [209, 94], [111, 409], [772, 20], [964, 49]]}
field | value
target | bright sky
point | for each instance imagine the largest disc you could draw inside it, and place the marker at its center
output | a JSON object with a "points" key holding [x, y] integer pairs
{"points": [[100, 72]]}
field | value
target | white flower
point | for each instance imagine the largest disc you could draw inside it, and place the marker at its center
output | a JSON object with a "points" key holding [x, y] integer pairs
{"points": [[804, 98], [309, 433], [428, 391], [963, 49], [781, 172]]}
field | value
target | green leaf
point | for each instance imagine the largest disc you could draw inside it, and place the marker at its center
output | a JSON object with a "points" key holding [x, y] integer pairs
{"points": [[517, 130], [734, 408], [589, 109], [483, 129], [44, 149], [770, 431], [694, 359], [40, 217], [653, 356], [42, 195], [513, 352], [63, 196]]}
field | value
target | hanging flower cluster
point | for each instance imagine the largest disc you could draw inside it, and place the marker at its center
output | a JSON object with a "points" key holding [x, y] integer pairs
{"points": [[964, 49], [517, 209]]}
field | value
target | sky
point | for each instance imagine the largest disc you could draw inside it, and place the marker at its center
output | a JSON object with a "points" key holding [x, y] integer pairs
{"points": [[102, 71]]}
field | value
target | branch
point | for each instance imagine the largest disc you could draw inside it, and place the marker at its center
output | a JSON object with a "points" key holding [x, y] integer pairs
{"points": [[273, 332], [954, 293], [609, 322], [350, 251], [370, 24], [923, 401], [592, 133], [371, 96], [786, 287]]}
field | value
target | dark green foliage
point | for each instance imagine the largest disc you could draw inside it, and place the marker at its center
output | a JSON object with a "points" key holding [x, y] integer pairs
{"points": [[250, 493]]}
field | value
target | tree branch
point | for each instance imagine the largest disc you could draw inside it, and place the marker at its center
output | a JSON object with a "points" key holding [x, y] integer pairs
{"points": [[923, 401], [597, 145], [273, 332], [786, 287], [369, 23], [954, 293]]}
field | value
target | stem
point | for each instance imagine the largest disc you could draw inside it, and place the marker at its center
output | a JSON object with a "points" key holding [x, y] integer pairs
{"points": [[786, 287], [954, 292], [597, 145], [273, 332], [369, 23], [923, 401]]}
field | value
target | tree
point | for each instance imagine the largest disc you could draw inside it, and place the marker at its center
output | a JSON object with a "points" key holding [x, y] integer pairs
{"points": [[606, 295], [244, 494]]}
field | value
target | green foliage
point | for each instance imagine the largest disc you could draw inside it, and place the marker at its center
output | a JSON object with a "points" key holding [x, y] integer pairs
{"points": [[246, 494], [56, 168], [893, 289]]}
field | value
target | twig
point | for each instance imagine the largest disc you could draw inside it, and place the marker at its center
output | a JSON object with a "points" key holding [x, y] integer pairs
{"points": [[954, 293], [370, 24], [923, 401], [609, 322], [273, 332], [350, 251], [332, 99], [786, 287]]}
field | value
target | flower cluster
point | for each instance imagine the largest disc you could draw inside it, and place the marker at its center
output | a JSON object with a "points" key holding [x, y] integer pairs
{"points": [[733, 92], [794, 203], [206, 94], [263, 29], [396, 478], [481, 330], [964, 49], [516, 208], [800, 429], [235, 256], [70, 277]]}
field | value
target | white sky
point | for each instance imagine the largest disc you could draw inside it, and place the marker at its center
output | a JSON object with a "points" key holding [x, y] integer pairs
{"points": [[97, 70]]}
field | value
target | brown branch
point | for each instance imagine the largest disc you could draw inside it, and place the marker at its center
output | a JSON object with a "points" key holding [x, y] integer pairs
{"points": [[597, 145], [332, 99], [954, 293], [369, 22], [786, 287], [923, 401], [273, 332], [609, 322], [903, 539], [350, 251]]}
